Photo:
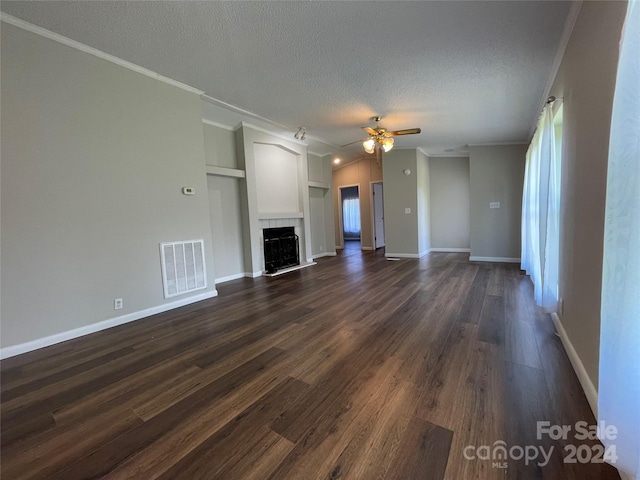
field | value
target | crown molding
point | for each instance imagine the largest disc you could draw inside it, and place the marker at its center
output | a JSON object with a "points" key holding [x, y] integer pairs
{"points": [[219, 125], [570, 22], [317, 154], [450, 155], [43, 32], [496, 144], [269, 132]]}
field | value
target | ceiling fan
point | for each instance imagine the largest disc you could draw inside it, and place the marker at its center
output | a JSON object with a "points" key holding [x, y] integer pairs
{"points": [[381, 138]]}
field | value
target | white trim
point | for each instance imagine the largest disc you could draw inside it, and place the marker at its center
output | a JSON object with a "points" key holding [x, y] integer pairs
{"points": [[450, 155], [314, 184], [494, 259], [228, 278], [43, 32], [450, 250], [422, 254], [497, 144], [14, 350], [233, 108], [253, 274], [373, 213], [273, 134], [366, 249], [290, 269], [569, 23], [216, 124], [225, 171], [280, 215], [402, 255], [321, 155], [587, 385], [339, 247], [324, 254]]}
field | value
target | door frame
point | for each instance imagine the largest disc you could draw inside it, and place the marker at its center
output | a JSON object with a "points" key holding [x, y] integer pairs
{"points": [[373, 214], [340, 222]]}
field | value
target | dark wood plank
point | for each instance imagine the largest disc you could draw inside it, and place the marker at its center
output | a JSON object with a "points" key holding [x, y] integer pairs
{"points": [[355, 368], [424, 451], [492, 326]]}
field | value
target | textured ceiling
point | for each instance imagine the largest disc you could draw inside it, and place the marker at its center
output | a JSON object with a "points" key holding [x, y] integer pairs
{"points": [[465, 72]]}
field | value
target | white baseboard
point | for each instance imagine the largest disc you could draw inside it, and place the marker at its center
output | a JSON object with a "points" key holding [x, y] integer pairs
{"points": [[253, 274], [450, 250], [367, 248], [402, 255], [290, 269], [339, 247], [14, 350], [228, 278], [422, 254], [324, 254], [587, 385], [494, 259]]}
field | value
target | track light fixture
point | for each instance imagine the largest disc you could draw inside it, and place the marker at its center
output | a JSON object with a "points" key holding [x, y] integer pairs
{"points": [[301, 134]]}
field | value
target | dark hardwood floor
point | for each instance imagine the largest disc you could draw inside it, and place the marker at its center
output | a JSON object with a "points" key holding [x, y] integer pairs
{"points": [[357, 368]]}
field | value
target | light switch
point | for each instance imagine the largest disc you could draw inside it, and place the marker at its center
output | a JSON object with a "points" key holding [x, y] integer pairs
{"points": [[407, 210], [494, 204]]}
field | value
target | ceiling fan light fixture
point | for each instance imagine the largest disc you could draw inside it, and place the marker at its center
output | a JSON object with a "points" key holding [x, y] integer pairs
{"points": [[387, 143], [369, 145]]}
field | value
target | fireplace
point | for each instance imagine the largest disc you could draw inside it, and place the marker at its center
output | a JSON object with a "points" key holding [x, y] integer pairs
{"points": [[281, 248]]}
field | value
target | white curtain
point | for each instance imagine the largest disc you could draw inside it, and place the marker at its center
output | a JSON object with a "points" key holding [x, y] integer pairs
{"points": [[351, 217], [540, 212], [619, 380]]}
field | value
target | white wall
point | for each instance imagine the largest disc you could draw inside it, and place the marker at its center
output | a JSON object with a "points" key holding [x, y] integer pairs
{"points": [[450, 206], [586, 81], [496, 175], [276, 179], [94, 157], [226, 226]]}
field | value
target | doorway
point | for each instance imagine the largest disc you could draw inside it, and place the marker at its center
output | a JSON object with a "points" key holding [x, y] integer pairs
{"points": [[350, 215], [377, 213]]}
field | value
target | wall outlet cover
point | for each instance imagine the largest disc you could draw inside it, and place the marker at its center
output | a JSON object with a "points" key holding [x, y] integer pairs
{"points": [[494, 204]]}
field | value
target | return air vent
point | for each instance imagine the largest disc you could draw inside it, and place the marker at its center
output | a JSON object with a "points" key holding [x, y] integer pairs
{"points": [[183, 268]]}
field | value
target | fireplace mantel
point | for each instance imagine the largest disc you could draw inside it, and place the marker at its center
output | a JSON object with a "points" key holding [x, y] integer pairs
{"points": [[275, 216]]}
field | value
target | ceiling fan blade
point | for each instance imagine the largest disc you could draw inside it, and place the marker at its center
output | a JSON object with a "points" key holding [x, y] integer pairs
{"points": [[408, 131], [370, 131], [357, 141]]}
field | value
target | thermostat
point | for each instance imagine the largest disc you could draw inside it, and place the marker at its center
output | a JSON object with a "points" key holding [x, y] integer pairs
{"points": [[188, 190]]}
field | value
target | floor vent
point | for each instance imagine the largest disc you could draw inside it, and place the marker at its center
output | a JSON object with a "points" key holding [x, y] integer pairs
{"points": [[183, 268]]}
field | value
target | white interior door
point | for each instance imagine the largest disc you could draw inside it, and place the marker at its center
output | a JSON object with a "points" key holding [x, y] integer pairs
{"points": [[378, 215]]}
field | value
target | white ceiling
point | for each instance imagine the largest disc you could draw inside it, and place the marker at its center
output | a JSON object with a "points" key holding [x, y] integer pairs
{"points": [[465, 72]]}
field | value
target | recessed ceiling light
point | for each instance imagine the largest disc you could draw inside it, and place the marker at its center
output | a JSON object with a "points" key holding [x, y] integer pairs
{"points": [[336, 161]]}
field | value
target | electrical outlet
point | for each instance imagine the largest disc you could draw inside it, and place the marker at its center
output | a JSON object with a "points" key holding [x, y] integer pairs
{"points": [[321, 248], [407, 210], [117, 304]]}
